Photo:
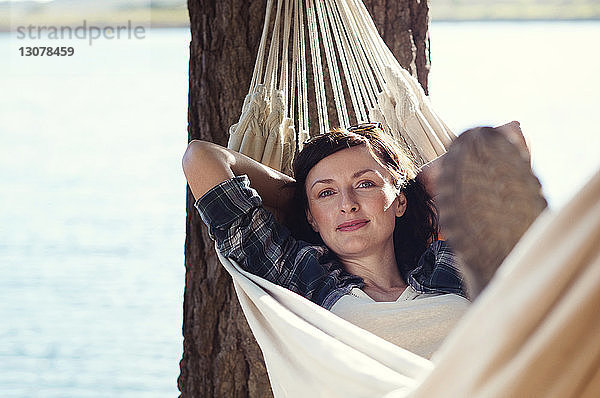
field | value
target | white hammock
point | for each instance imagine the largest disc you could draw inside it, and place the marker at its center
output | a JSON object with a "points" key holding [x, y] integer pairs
{"points": [[534, 332], [345, 50]]}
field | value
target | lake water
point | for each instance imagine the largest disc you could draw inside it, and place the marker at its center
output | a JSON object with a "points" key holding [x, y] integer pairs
{"points": [[93, 197], [93, 221]]}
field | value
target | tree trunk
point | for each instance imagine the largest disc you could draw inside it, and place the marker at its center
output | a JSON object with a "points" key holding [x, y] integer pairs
{"points": [[221, 357]]}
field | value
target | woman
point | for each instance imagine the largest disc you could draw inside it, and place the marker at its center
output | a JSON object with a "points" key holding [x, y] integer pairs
{"points": [[376, 260]]}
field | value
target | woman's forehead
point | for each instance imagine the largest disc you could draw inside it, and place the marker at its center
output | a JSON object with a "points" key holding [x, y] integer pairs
{"points": [[345, 163]]}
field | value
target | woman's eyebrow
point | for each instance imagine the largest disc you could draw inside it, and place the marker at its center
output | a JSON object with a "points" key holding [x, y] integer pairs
{"points": [[355, 175], [364, 171], [324, 181]]}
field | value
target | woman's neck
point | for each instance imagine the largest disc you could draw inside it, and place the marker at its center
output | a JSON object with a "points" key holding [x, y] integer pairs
{"points": [[378, 269]]}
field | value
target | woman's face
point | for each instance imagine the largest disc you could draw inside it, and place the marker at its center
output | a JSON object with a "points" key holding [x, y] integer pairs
{"points": [[352, 203]]}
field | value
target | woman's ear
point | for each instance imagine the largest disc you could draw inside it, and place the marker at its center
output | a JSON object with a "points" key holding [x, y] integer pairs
{"points": [[311, 221], [401, 204]]}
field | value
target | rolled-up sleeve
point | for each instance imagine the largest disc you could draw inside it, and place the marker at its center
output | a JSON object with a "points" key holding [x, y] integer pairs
{"points": [[227, 202]]}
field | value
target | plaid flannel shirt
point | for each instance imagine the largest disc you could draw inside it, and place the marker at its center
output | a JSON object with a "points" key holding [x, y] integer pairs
{"points": [[248, 233]]}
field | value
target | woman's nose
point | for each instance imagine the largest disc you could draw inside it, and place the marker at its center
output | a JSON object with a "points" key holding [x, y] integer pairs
{"points": [[349, 203]]}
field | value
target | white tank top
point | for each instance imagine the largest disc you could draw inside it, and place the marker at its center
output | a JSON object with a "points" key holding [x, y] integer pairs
{"points": [[417, 322]]}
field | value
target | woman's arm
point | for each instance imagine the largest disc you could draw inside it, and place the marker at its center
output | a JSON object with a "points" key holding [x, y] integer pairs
{"points": [[240, 225], [206, 165]]}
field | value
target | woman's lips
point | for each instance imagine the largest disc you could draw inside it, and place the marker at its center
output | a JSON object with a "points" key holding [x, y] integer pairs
{"points": [[352, 225]]}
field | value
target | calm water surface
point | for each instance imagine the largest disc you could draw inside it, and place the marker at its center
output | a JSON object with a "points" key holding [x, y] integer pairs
{"points": [[93, 221], [93, 198]]}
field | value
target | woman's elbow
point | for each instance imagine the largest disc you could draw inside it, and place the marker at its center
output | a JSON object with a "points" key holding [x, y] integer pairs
{"points": [[193, 154], [204, 166]]}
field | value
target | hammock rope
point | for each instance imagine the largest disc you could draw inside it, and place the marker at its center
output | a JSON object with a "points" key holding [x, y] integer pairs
{"points": [[354, 75]]}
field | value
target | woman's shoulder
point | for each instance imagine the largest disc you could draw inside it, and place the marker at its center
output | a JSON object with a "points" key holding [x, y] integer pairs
{"points": [[438, 271]]}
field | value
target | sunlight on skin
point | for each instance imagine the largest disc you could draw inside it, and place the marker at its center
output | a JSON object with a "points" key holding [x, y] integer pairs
{"points": [[353, 205]]}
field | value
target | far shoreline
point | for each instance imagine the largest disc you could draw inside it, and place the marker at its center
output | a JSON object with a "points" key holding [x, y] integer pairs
{"points": [[493, 20], [160, 26]]}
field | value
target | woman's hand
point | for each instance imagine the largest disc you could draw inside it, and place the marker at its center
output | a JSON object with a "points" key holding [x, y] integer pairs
{"points": [[512, 132], [429, 173]]}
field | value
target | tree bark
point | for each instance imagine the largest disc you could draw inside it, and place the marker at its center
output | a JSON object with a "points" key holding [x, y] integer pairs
{"points": [[221, 357]]}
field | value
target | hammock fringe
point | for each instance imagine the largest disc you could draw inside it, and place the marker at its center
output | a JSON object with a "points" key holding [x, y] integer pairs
{"points": [[345, 48]]}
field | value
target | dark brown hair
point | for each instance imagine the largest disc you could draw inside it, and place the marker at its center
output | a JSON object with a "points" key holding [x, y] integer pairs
{"points": [[419, 224]]}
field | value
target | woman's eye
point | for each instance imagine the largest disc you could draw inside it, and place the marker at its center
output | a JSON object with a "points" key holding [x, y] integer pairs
{"points": [[325, 193], [366, 184]]}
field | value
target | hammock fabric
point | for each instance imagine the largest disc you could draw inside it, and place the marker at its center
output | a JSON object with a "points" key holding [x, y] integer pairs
{"points": [[534, 332]]}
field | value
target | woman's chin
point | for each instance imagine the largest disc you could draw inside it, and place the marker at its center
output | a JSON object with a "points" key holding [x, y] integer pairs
{"points": [[353, 247]]}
